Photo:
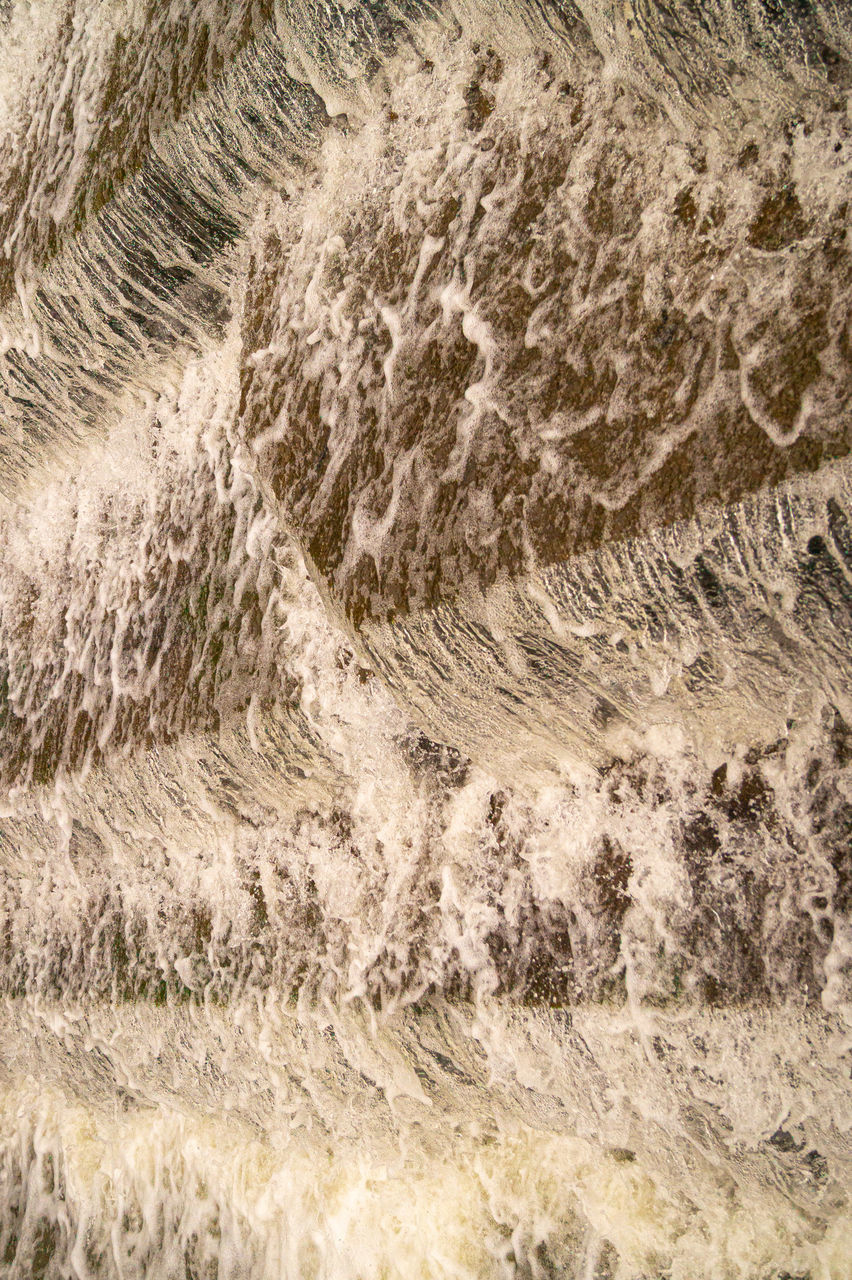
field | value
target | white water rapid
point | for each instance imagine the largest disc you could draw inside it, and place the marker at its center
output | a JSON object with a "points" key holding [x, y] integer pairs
{"points": [[425, 660]]}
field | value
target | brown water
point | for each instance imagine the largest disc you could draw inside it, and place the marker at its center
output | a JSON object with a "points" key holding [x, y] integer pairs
{"points": [[424, 613]]}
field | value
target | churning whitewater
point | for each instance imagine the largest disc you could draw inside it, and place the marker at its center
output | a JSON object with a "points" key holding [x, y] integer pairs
{"points": [[425, 591]]}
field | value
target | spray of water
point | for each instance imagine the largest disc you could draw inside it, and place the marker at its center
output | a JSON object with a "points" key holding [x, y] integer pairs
{"points": [[424, 664]]}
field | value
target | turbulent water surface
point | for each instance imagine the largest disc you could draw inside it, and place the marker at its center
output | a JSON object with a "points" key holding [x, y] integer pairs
{"points": [[425, 585]]}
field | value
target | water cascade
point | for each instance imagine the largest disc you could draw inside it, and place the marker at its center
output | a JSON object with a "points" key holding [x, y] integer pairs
{"points": [[425, 585]]}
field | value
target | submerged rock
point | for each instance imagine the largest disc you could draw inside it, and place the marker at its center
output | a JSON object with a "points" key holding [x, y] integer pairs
{"points": [[424, 641]]}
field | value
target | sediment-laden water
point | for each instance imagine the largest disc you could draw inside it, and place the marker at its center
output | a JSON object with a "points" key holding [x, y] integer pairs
{"points": [[425, 581]]}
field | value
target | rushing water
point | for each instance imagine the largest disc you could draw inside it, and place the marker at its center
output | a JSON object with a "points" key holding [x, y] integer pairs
{"points": [[425, 582]]}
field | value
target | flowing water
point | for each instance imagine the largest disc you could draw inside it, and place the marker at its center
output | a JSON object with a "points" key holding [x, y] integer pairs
{"points": [[425, 583]]}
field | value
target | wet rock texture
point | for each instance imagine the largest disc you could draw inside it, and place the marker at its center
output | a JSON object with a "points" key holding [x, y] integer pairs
{"points": [[532, 332]]}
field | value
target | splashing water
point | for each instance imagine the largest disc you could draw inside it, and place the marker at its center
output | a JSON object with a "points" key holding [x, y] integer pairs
{"points": [[425, 579]]}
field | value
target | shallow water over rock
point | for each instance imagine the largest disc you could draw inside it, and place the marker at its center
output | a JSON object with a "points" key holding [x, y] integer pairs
{"points": [[425, 581]]}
